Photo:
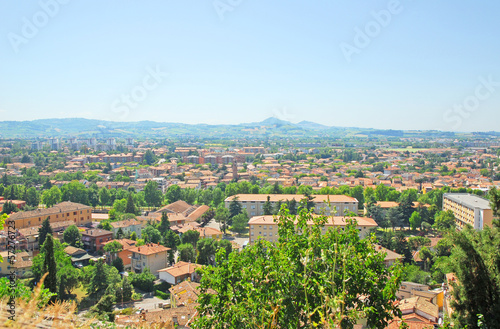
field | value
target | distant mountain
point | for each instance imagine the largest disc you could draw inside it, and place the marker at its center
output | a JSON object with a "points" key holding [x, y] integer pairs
{"points": [[311, 125], [269, 122], [268, 128]]}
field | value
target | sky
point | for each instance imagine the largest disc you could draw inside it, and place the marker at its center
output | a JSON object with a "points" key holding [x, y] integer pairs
{"points": [[404, 64]]}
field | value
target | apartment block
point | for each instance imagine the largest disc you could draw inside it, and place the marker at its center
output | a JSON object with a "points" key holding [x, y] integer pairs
{"points": [[152, 256], [265, 227], [323, 204], [79, 213], [468, 209]]}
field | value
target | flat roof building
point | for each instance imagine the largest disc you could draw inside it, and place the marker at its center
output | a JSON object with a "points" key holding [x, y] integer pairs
{"points": [[468, 209]]}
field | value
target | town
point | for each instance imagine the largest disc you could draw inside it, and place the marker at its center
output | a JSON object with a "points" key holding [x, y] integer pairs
{"points": [[128, 229]]}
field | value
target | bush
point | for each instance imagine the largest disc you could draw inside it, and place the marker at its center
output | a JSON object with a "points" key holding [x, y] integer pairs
{"points": [[161, 294]]}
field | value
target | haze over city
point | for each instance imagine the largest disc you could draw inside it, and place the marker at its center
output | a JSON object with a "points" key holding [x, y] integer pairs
{"points": [[378, 64]]}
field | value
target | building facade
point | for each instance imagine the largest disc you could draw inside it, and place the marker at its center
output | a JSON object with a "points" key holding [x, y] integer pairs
{"points": [[468, 209], [264, 227], [152, 256], [78, 213], [323, 204]]}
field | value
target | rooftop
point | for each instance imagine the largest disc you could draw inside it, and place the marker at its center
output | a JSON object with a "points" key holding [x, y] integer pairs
{"points": [[468, 200]]}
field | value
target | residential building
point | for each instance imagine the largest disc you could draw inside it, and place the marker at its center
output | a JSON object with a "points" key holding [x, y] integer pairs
{"points": [[125, 254], [79, 257], [152, 256], [391, 257], [265, 227], [254, 203], [468, 209], [179, 272], [94, 239], [79, 213], [419, 308], [20, 264], [127, 226], [412, 289]]}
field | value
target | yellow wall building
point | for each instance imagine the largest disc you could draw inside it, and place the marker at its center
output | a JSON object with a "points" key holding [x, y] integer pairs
{"points": [[78, 213], [254, 203], [468, 209], [264, 227]]}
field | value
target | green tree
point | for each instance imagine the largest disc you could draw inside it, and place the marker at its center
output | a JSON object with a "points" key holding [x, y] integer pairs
{"points": [[240, 222], [267, 207], [75, 192], [415, 220], [191, 237], [187, 252], [143, 281], [104, 196], [52, 196], [68, 278], [207, 248], [9, 208], [222, 216], [73, 237], [173, 193], [130, 207], [43, 231], [118, 264], [49, 264], [234, 207], [152, 195], [444, 220], [99, 280], [305, 280], [475, 260], [151, 234], [32, 197], [164, 223]]}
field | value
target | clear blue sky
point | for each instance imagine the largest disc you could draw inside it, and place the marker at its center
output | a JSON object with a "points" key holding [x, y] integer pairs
{"points": [[264, 58]]}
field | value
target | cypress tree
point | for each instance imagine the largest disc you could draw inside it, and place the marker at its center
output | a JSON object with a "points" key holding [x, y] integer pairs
{"points": [[49, 264], [44, 231], [130, 209]]}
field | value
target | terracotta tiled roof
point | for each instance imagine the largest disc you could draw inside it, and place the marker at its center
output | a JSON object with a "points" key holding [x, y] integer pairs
{"points": [[180, 269], [62, 207], [149, 249]]}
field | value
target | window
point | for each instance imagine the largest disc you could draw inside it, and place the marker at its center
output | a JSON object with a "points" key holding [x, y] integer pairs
{"points": [[253, 207], [270, 233], [251, 234], [265, 233], [265, 227], [253, 213]]}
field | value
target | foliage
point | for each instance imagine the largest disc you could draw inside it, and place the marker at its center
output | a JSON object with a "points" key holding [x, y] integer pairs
{"points": [[305, 280], [143, 281], [44, 230], [444, 220], [240, 222], [130, 207], [191, 237], [49, 264], [152, 195], [73, 237], [415, 220], [113, 247], [20, 290], [118, 264], [475, 260], [151, 234], [187, 252]]}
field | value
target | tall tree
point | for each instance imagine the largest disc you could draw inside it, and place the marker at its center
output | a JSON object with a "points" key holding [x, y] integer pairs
{"points": [[32, 197], [234, 207], [267, 207], [164, 223], [152, 195], [49, 264], [99, 280], [187, 252], [104, 196], [43, 231], [173, 193], [130, 208], [475, 260]]}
